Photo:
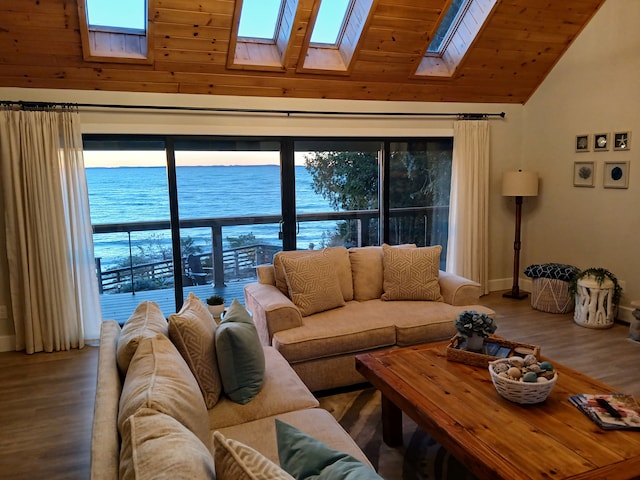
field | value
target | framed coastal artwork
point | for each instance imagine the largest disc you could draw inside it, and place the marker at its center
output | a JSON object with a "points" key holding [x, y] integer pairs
{"points": [[622, 141], [601, 142], [616, 175], [583, 174], [583, 143]]}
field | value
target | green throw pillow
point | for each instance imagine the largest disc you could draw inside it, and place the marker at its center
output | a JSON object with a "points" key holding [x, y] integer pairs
{"points": [[240, 355], [305, 457]]}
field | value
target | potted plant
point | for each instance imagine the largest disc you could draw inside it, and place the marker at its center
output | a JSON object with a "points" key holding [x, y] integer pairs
{"points": [[215, 304], [593, 282], [475, 327]]}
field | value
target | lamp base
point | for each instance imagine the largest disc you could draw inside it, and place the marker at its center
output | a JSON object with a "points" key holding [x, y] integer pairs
{"points": [[516, 295]]}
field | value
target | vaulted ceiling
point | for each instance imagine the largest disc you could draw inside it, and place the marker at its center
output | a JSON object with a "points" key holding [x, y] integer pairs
{"points": [[41, 47]]}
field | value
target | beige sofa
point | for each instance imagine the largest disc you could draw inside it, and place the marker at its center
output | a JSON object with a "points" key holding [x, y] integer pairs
{"points": [[390, 297], [157, 419]]}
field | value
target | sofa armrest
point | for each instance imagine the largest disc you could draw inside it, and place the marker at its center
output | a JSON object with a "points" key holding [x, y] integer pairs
{"points": [[457, 290], [272, 310], [105, 443]]}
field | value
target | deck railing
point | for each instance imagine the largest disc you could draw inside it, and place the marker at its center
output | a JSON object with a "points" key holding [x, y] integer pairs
{"points": [[239, 262]]}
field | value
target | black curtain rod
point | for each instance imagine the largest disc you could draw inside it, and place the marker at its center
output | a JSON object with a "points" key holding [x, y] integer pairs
{"points": [[48, 105]]}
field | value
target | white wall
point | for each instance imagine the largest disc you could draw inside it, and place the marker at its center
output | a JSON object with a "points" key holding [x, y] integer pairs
{"points": [[594, 88]]}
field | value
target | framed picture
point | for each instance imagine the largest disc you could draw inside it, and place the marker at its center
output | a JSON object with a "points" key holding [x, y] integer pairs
{"points": [[583, 174], [582, 143], [601, 142], [621, 140], [616, 175]]}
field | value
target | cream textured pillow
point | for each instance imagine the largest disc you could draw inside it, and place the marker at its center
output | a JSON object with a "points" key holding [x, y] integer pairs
{"points": [[147, 320], [237, 461], [159, 378], [192, 331], [411, 273], [313, 284], [338, 257], [155, 445]]}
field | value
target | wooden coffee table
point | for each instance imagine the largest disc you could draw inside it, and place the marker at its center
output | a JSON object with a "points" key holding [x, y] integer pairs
{"points": [[459, 407]]}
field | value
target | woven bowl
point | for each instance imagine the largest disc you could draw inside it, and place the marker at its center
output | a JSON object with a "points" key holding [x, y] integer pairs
{"points": [[521, 392]]}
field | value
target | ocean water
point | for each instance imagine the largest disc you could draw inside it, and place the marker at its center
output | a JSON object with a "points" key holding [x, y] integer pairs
{"points": [[137, 194]]}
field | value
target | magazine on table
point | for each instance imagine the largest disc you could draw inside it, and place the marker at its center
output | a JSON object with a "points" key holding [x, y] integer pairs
{"points": [[610, 411]]}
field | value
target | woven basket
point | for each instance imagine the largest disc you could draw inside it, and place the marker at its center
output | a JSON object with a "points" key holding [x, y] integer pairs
{"points": [[521, 392], [551, 295]]}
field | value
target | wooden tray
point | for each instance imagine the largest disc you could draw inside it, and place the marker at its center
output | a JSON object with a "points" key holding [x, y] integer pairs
{"points": [[456, 354]]}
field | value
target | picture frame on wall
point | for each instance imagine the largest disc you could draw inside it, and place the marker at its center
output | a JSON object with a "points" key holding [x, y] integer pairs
{"points": [[583, 143], [622, 140], [584, 174], [616, 175], [601, 142]]}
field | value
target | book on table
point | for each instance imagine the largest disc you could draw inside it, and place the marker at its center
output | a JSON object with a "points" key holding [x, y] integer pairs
{"points": [[610, 411]]}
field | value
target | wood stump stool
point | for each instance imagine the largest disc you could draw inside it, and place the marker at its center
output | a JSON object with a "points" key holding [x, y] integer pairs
{"points": [[594, 303], [634, 326]]}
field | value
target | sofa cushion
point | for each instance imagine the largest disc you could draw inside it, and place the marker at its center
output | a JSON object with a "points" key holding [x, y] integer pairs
{"points": [[155, 445], [159, 378], [146, 321], [240, 354], [317, 422], [236, 461], [337, 256], [306, 457], [356, 327], [368, 272], [192, 331], [282, 391], [411, 273], [313, 284]]}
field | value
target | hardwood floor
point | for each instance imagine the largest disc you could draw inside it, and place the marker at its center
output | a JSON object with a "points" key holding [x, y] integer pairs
{"points": [[46, 399]]}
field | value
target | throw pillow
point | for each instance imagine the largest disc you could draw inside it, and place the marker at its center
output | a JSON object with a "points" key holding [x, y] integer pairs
{"points": [[338, 257], [240, 354], [192, 331], [313, 284], [411, 273], [159, 378], [305, 457], [146, 321], [155, 445], [237, 461]]}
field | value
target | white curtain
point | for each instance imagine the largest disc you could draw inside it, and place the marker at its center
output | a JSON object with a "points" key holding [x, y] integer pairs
{"points": [[54, 290], [468, 249]]}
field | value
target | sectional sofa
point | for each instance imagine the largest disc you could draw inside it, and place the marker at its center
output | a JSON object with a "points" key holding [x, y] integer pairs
{"points": [[191, 399], [321, 308]]}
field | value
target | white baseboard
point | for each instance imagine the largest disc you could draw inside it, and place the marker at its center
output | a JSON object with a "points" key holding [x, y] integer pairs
{"points": [[7, 343], [506, 284]]}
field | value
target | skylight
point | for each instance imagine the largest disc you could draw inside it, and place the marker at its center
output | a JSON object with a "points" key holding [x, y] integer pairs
{"points": [[330, 21], [259, 19], [447, 26], [115, 30], [456, 32], [128, 14]]}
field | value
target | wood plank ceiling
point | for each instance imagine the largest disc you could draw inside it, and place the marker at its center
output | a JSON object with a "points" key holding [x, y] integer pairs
{"points": [[40, 47]]}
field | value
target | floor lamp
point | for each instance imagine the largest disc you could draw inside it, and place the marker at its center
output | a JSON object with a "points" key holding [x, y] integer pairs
{"points": [[518, 184]]}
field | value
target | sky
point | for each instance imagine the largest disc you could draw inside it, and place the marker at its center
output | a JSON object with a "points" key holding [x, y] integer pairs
{"points": [[258, 17], [94, 158]]}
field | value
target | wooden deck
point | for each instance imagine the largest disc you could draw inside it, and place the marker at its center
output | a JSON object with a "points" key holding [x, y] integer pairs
{"points": [[120, 306]]}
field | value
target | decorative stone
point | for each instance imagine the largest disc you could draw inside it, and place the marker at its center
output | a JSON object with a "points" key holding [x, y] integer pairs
{"points": [[541, 380], [546, 366], [516, 362], [500, 367], [514, 372], [530, 360], [530, 377]]}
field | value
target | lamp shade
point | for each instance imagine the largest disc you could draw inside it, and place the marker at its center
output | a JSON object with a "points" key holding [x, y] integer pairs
{"points": [[520, 184]]}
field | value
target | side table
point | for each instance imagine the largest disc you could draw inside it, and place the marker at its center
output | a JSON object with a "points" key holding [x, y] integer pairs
{"points": [[594, 303]]}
